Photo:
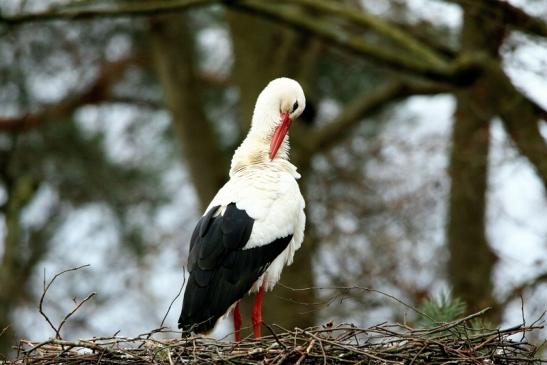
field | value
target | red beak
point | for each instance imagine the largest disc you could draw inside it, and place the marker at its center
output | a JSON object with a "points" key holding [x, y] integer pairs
{"points": [[279, 134]]}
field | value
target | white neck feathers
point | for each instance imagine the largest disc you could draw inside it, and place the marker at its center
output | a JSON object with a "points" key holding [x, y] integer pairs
{"points": [[254, 152], [282, 96]]}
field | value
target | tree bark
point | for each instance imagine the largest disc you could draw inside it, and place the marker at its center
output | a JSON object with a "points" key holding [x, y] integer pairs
{"points": [[14, 264], [173, 49], [472, 261]]}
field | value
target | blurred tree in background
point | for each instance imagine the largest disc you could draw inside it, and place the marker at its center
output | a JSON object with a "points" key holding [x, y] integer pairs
{"points": [[101, 101]]}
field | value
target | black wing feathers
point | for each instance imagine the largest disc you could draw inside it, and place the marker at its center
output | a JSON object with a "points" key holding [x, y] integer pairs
{"points": [[221, 272], [236, 227], [199, 231]]}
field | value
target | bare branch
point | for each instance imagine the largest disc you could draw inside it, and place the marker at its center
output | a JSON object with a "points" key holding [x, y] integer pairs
{"points": [[135, 101], [512, 15], [122, 8], [429, 34], [176, 297], [42, 297], [99, 90], [524, 131], [4, 330], [517, 291], [73, 311], [361, 107], [376, 23], [354, 43], [427, 62], [522, 20], [371, 290], [521, 117]]}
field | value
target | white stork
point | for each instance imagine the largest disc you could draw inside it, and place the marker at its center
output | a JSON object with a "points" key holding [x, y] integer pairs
{"points": [[254, 224]]}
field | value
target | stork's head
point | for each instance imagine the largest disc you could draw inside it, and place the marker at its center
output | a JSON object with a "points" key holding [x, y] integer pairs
{"points": [[277, 106]]}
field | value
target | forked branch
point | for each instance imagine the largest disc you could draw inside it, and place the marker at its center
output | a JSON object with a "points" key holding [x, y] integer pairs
{"points": [[57, 329]]}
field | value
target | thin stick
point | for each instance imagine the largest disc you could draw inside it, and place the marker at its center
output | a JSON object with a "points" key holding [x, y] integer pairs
{"points": [[356, 287], [74, 311], [274, 335], [46, 288], [176, 297], [523, 319], [4, 330], [306, 353]]}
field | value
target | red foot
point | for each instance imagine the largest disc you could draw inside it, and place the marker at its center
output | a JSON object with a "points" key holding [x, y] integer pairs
{"points": [[237, 323], [257, 312]]}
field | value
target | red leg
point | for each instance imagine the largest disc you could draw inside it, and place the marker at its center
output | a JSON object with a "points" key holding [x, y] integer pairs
{"points": [[257, 312], [237, 323]]}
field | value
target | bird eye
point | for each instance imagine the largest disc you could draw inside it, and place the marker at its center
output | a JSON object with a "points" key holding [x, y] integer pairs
{"points": [[294, 106]]}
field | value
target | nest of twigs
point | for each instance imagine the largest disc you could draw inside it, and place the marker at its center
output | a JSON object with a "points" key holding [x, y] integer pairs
{"points": [[454, 342]]}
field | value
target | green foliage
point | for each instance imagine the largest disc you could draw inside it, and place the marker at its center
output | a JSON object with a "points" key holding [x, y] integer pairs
{"points": [[481, 325], [444, 308], [441, 308]]}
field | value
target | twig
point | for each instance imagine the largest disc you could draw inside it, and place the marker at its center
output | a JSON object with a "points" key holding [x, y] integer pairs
{"points": [[46, 288], [306, 353], [274, 335], [523, 319], [74, 311], [356, 287], [176, 297]]}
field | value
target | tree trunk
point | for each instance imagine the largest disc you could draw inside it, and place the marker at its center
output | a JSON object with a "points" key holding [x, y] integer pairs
{"points": [[173, 50], [14, 266], [472, 261]]}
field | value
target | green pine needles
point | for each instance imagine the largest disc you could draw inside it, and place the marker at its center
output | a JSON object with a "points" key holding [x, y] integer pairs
{"points": [[441, 309], [444, 308]]}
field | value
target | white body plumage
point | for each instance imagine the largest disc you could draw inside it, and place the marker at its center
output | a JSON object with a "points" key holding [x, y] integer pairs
{"points": [[269, 193]]}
